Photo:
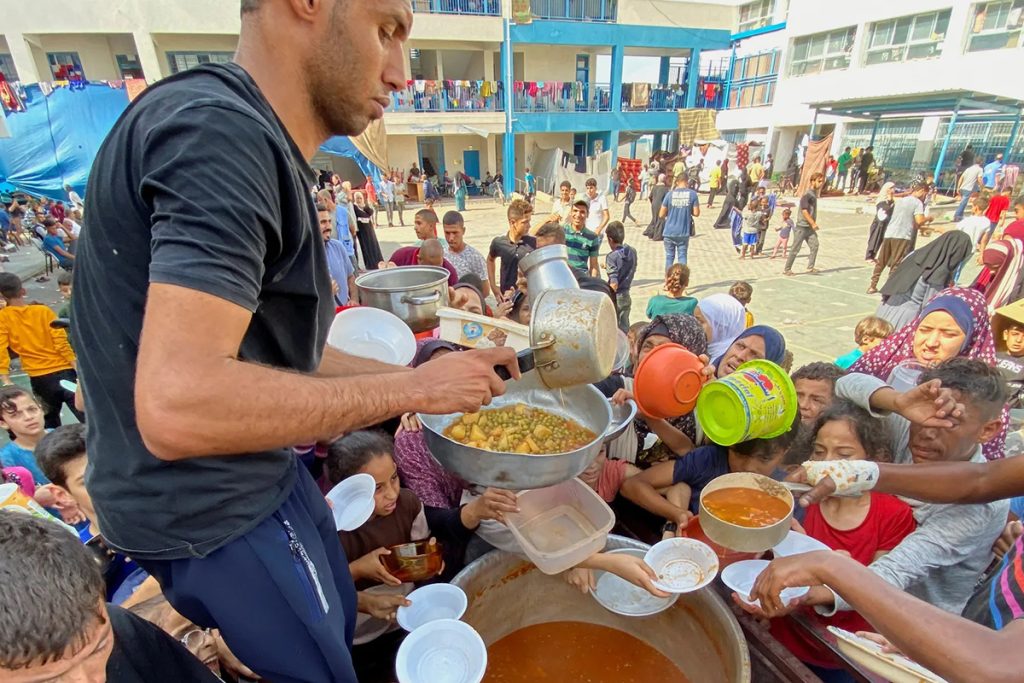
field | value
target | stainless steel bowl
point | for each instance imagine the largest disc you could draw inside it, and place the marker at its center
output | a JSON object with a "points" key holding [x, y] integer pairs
{"points": [[516, 471], [413, 293], [621, 417]]}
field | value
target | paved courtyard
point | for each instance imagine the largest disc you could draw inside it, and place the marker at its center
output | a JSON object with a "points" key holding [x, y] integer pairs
{"points": [[817, 313]]}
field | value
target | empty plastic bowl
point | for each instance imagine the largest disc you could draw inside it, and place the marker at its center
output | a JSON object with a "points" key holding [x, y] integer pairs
{"points": [[617, 595], [352, 501], [442, 651], [795, 543], [683, 565], [667, 382], [374, 334], [740, 577], [430, 603]]}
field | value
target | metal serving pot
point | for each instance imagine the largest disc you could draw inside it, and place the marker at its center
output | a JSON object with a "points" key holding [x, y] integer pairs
{"points": [[573, 335], [413, 293], [517, 471], [548, 268]]}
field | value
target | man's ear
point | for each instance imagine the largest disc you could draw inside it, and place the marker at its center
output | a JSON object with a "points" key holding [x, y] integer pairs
{"points": [[990, 430]]}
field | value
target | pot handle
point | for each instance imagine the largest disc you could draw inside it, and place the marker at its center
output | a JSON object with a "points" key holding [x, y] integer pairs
{"points": [[421, 300], [525, 360]]}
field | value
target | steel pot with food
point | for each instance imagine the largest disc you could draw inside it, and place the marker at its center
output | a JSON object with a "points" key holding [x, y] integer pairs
{"points": [[413, 293]]}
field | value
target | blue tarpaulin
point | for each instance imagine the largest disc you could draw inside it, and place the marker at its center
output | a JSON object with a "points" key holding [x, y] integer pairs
{"points": [[54, 141]]}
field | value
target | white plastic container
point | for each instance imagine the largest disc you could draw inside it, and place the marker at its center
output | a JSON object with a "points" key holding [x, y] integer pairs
{"points": [[560, 526], [683, 565], [472, 330], [442, 651], [430, 603], [740, 577]]}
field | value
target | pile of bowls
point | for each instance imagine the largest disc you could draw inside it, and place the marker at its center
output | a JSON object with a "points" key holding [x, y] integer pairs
{"points": [[439, 647]]}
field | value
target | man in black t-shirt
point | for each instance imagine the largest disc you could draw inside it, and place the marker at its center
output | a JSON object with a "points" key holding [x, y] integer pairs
{"points": [[55, 625], [867, 157], [806, 229], [203, 305], [510, 247]]}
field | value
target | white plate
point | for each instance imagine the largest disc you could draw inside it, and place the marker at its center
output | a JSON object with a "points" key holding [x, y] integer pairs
{"points": [[891, 666], [617, 595], [430, 603], [352, 501], [373, 333], [740, 577], [683, 565], [795, 543]]}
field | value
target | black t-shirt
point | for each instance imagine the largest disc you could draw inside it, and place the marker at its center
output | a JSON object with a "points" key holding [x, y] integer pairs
{"points": [[197, 185], [1012, 370], [808, 203], [143, 653], [503, 248]]}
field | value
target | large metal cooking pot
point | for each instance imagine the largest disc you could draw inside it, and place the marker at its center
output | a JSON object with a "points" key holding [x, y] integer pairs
{"points": [[413, 293], [548, 268], [698, 633], [516, 471]]}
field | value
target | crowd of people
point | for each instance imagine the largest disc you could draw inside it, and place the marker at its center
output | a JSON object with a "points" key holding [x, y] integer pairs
{"points": [[182, 532]]}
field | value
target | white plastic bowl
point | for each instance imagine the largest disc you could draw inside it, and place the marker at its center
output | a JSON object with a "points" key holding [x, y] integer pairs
{"points": [[740, 577], [442, 651], [372, 333], [352, 501], [795, 543], [617, 595], [430, 603], [683, 565]]}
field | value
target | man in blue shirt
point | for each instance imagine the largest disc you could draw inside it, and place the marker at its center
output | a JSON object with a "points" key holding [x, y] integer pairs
{"points": [[338, 261], [531, 186], [53, 244], [992, 171], [679, 209]]}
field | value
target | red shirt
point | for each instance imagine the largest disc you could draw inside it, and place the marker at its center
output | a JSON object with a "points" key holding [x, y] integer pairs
{"points": [[410, 256], [1015, 230], [996, 206], [889, 521]]}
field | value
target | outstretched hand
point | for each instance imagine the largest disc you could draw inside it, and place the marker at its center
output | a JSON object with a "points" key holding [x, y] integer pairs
{"points": [[930, 405]]}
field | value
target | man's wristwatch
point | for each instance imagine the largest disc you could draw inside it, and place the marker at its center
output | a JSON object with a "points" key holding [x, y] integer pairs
{"points": [[669, 526]]}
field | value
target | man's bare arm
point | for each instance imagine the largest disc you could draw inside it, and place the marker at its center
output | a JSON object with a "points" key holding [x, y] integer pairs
{"points": [[194, 397], [337, 363]]}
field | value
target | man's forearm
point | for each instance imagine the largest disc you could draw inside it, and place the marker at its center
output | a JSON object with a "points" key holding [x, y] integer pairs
{"points": [[953, 647], [335, 363], [954, 482]]}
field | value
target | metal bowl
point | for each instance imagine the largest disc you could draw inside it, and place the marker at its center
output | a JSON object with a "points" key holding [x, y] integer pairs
{"points": [[413, 293], [621, 417], [516, 471]]}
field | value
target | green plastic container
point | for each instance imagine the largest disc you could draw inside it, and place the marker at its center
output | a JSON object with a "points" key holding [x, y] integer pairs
{"points": [[758, 401]]}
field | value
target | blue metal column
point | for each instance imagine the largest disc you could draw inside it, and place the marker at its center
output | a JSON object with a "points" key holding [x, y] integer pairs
{"points": [[508, 155], [945, 145], [618, 58], [692, 76], [874, 132], [664, 69], [1013, 138], [728, 78]]}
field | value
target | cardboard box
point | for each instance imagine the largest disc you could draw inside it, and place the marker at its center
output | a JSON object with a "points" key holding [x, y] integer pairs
{"points": [[475, 331]]}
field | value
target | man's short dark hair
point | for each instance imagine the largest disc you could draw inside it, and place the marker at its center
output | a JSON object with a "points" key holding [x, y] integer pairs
{"points": [[616, 232], [428, 215], [820, 371], [565, 183], [591, 182], [49, 222], [554, 230], [250, 5], [321, 207], [847, 149], [51, 590], [582, 203], [10, 286], [61, 446], [978, 383], [453, 218]]}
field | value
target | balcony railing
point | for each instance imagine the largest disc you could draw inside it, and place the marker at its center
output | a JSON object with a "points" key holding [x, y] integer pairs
{"points": [[653, 97], [575, 10], [446, 96], [558, 96], [488, 8]]}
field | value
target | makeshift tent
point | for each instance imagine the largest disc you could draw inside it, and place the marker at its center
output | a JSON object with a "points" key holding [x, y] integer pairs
{"points": [[54, 139]]}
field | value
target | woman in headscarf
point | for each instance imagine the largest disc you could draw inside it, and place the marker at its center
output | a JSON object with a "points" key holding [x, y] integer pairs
{"points": [[732, 190], [759, 342], [723, 318], [366, 232], [1001, 280], [921, 275], [955, 323], [883, 212], [656, 227]]}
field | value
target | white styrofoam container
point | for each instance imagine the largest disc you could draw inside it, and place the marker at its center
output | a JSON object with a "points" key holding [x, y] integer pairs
{"points": [[470, 329]]}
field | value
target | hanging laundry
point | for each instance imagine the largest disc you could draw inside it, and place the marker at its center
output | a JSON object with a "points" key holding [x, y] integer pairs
{"points": [[9, 97], [641, 95]]}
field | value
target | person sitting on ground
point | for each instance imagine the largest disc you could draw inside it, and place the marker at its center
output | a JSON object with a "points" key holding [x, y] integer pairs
{"points": [[865, 527], [955, 323], [552, 233], [46, 355], [869, 333], [696, 470], [54, 244], [72, 634], [743, 292], [674, 301], [815, 385], [428, 253], [941, 561], [465, 259], [621, 264]]}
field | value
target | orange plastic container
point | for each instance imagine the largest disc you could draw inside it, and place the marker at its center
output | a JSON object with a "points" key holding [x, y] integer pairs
{"points": [[667, 382]]}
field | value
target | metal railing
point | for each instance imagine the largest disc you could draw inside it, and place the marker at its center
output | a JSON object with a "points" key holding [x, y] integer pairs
{"points": [[441, 96], [653, 97], [556, 97], [575, 10], [488, 8]]}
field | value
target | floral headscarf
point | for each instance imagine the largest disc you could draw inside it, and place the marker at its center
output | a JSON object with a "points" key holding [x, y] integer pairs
{"points": [[979, 345]]}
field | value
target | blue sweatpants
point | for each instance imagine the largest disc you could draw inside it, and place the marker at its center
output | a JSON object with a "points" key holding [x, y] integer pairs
{"points": [[281, 595]]}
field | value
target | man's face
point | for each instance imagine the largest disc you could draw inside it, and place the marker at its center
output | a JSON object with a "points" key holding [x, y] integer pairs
{"points": [[424, 229], [813, 396], [591, 191], [521, 226], [1014, 338], [563, 193], [353, 86], [326, 224], [817, 183], [454, 234], [83, 665], [578, 217], [956, 444], [74, 475]]}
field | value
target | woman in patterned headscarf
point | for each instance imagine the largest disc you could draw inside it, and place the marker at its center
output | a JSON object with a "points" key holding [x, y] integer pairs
{"points": [[954, 323]]}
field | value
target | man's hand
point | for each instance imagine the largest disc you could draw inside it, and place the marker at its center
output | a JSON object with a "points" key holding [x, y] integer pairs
{"points": [[1011, 533], [493, 504], [460, 382], [634, 570], [788, 572], [370, 567], [682, 521], [929, 405], [380, 605]]}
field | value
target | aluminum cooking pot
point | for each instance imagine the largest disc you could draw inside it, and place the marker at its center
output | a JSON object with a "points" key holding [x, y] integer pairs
{"points": [[573, 338], [413, 293]]}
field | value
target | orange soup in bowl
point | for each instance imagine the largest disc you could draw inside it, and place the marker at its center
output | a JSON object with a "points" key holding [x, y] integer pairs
{"points": [[745, 507]]}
